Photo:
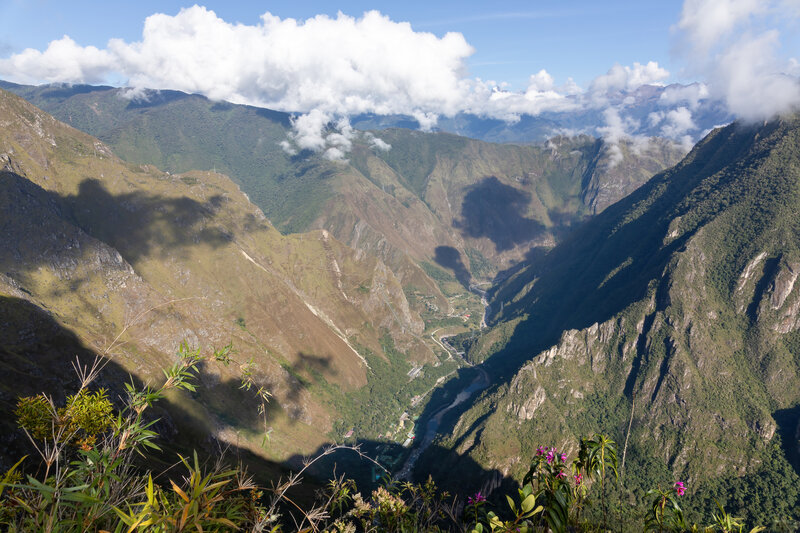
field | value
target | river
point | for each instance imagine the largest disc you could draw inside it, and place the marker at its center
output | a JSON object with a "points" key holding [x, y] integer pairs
{"points": [[480, 382]]}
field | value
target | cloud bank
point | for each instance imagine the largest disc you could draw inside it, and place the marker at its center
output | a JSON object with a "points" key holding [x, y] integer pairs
{"points": [[735, 46], [329, 68]]}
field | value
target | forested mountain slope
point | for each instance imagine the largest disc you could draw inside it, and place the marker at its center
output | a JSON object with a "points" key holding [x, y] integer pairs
{"points": [[676, 311]]}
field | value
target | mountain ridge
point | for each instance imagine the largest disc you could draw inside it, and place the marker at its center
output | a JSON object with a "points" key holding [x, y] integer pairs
{"points": [[97, 242], [178, 132], [683, 296]]}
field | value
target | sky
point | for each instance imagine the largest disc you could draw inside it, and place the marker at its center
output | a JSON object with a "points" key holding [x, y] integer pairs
{"points": [[327, 61], [512, 40]]}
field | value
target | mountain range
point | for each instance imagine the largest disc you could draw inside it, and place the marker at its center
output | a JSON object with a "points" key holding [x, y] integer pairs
{"points": [[645, 108], [652, 297], [670, 320], [401, 204], [105, 248]]}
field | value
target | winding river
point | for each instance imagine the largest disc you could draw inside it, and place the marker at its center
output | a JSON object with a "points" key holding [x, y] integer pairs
{"points": [[480, 382]]}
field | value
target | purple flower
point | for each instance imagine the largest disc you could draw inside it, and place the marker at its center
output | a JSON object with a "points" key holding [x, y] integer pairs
{"points": [[476, 498], [550, 457], [560, 474], [680, 488], [540, 450], [578, 478], [563, 458]]}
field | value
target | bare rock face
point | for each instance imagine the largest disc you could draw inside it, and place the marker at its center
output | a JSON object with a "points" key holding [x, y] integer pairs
{"points": [[527, 409], [783, 284]]}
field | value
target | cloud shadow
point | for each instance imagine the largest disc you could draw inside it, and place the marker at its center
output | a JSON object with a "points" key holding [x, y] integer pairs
{"points": [[450, 258], [497, 211]]}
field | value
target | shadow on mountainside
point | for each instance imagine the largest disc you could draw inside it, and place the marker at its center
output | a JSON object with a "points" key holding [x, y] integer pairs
{"points": [[136, 224], [139, 224], [610, 261], [450, 258], [788, 421], [470, 477], [613, 260], [37, 356], [497, 211], [37, 353]]}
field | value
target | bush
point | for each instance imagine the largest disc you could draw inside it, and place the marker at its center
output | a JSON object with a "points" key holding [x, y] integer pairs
{"points": [[87, 480]]}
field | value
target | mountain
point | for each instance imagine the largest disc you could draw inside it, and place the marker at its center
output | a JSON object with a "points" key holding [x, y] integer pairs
{"points": [[468, 206], [102, 256], [645, 109], [674, 310]]}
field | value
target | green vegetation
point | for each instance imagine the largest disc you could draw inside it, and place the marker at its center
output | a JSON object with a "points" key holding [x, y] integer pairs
{"points": [[479, 265], [97, 485], [669, 321], [415, 154], [375, 409], [439, 275]]}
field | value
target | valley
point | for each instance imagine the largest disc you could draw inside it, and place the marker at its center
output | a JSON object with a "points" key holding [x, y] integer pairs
{"points": [[400, 267], [449, 304]]}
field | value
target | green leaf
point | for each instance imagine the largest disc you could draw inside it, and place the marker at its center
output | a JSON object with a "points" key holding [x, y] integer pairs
{"points": [[528, 503], [511, 504]]}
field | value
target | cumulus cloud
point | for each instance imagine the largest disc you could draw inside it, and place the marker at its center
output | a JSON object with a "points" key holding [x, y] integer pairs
{"points": [[706, 22], [319, 132], [690, 95], [325, 68], [624, 78], [726, 41], [617, 128], [137, 94], [376, 142], [678, 124], [63, 61]]}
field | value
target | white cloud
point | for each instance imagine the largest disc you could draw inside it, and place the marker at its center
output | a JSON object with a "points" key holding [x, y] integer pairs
{"points": [[309, 130], [735, 45], [136, 94], [324, 67], [624, 78], [541, 81], [752, 82], [63, 61], [328, 68], [376, 142], [707, 22], [678, 122], [655, 118], [288, 147], [617, 128], [691, 95], [489, 99]]}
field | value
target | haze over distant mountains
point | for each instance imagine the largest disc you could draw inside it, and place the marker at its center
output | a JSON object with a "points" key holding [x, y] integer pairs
{"points": [[683, 113], [330, 69]]}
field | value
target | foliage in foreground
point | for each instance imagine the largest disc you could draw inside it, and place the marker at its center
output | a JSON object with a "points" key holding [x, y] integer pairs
{"points": [[89, 477]]}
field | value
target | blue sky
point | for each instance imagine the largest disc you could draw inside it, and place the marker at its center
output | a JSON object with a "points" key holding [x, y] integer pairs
{"points": [[512, 40]]}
